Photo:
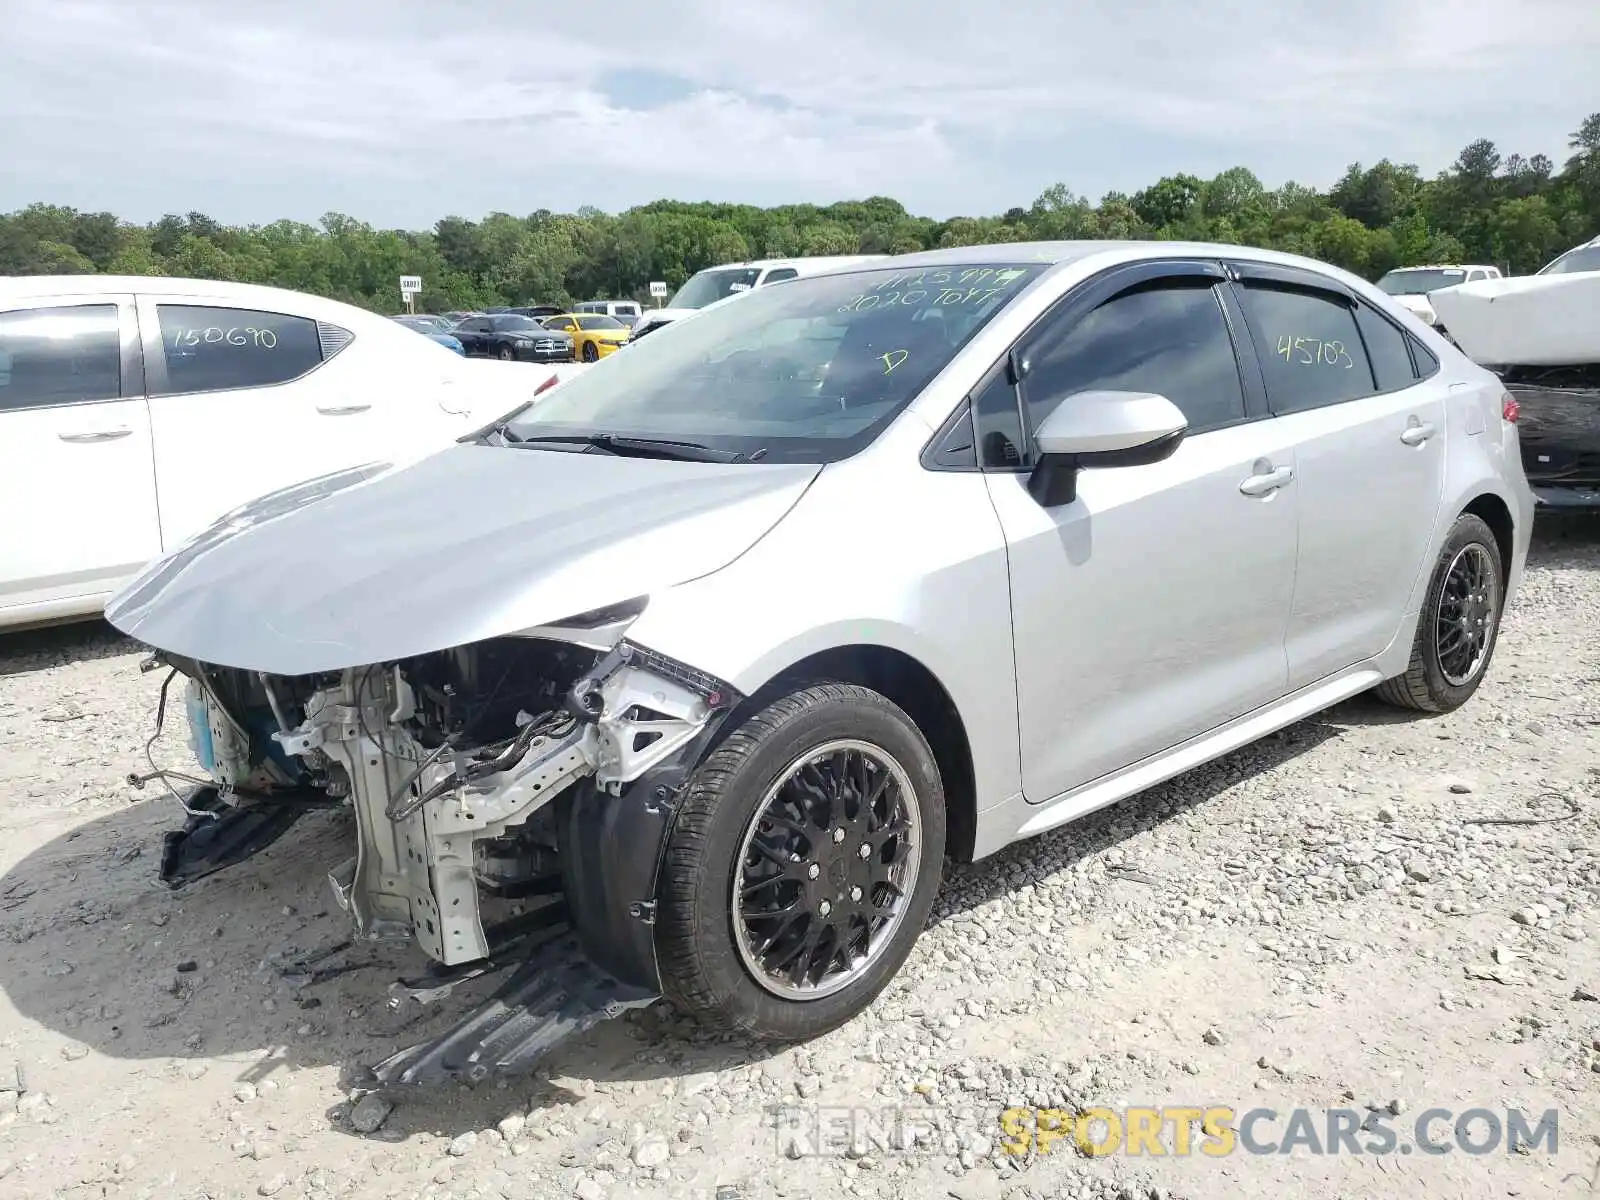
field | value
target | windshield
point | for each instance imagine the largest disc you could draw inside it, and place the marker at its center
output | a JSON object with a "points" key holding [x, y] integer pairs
{"points": [[714, 284], [1584, 258], [512, 322], [589, 322], [809, 372], [1421, 282]]}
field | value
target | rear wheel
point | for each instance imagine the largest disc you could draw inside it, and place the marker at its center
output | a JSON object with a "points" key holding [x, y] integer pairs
{"points": [[802, 866], [1459, 624]]}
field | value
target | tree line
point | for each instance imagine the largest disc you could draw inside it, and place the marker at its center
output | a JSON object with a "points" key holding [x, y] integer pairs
{"points": [[1507, 210]]}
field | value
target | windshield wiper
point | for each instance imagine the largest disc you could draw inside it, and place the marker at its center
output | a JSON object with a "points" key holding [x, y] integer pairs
{"points": [[639, 447]]}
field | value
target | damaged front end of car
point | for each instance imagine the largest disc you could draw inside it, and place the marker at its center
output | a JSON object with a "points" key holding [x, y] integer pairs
{"points": [[512, 800]]}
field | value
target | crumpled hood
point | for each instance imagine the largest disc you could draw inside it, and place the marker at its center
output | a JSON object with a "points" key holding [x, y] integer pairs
{"points": [[380, 563]]}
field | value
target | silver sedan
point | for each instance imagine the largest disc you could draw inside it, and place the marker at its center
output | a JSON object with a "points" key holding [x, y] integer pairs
{"points": [[688, 677]]}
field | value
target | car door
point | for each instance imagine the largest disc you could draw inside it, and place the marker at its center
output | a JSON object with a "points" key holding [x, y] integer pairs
{"points": [[244, 401], [1369, 443], [473, 333], [1151, 608], [77, 493]]}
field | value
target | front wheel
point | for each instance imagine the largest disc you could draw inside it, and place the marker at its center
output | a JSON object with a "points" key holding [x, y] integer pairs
{"points": [[591, 353], [802, 865], [1459, 624], [507, 353]]}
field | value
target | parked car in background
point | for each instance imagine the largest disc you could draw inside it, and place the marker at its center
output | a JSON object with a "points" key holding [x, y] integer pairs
{"points": [[513, 337], [1541, 334], [433, 328], [718, 283], [735, 641], [455, 316], [537, 311], [626, 311], [1411, 285], [135, 411], [593, 335], [442, 324]]}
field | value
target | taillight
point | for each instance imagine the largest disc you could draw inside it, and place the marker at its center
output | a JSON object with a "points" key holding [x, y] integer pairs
{"points": [[555, 379], [1509, 409]]}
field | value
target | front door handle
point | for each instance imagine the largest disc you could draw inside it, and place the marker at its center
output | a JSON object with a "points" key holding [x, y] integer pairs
{"points": [[1267, 482], [98, 435], [1418, 432], [342, 410]]}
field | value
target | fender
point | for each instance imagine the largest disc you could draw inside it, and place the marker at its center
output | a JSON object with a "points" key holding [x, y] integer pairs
{"points": [[611, 851]]}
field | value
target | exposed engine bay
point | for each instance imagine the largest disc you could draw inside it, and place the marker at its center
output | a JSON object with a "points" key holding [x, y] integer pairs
{"points": [[517, 772]]}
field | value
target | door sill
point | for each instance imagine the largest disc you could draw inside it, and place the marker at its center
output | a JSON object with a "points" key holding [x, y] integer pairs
{"points": [[1159, 768]]}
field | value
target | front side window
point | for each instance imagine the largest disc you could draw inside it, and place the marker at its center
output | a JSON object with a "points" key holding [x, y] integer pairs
{"points": [[65, 355], [806, 373], [1169, 338], [1310, 348], [514, 323], [211, 349], [778, 274], [708, 286]]}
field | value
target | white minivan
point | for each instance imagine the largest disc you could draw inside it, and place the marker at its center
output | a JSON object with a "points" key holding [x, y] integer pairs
{"points": [[136, 411], [718, 283]]}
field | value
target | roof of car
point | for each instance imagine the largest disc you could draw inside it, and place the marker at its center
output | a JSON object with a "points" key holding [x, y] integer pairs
{"points": [[1445, 267]]}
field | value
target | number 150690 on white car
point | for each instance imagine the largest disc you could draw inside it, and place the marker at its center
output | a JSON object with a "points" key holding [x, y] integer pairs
{"points": [[716, 655]]}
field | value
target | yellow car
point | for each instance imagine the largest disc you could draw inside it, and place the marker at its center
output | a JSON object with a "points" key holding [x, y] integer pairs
{"points": [[593, 335]]}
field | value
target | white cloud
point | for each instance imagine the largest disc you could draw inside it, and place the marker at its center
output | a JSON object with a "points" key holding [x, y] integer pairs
{"points": [[402, 111]]}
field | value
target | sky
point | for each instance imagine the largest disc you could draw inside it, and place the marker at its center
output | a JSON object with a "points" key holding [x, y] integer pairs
{"points": [[399, 112]]}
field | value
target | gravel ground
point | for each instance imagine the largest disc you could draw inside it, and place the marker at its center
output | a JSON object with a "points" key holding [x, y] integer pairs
{"points": [[1329, 919]]}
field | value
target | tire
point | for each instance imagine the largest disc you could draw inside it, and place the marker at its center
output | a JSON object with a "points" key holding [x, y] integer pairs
{"points": [[1429, 685], [706, 968], [507, 353], [591, 353]]}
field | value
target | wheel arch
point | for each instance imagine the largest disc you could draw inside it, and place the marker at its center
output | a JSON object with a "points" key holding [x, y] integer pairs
{"points": [[1496, 514], [915, 688]]}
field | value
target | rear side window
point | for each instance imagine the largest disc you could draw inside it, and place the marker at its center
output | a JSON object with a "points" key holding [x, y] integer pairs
{"points": [[64, 355], [778, 274], [219, 349], [1386, 347], [1310, 348]]}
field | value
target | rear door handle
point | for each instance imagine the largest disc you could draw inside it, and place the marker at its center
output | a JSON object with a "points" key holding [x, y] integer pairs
{"points": [[1417, 433], [1270, 481], [342, 410], [97, 435]]}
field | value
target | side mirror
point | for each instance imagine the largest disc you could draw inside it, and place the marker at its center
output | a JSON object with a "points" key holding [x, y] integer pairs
{"points": [[1101, 429]]}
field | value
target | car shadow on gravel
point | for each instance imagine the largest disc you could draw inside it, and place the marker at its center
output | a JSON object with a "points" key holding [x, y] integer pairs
{"points": [[47, 647], [254, 970]]}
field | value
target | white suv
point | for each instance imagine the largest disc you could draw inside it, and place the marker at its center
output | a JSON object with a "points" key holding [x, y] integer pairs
{"points": [[1411, 285], [136, 411], [718, 283]]}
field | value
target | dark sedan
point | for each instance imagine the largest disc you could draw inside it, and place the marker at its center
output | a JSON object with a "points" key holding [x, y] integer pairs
{"points": [[514, 338]]}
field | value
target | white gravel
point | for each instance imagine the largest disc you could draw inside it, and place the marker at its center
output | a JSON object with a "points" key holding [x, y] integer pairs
{"points": [[1330, 918]]}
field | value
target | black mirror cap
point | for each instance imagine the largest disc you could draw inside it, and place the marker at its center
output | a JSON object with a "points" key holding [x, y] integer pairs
{"points": [[1054, 478]]}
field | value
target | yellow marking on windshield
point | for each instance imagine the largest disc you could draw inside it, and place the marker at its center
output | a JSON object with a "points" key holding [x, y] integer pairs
{"points": [[893, 359]]}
